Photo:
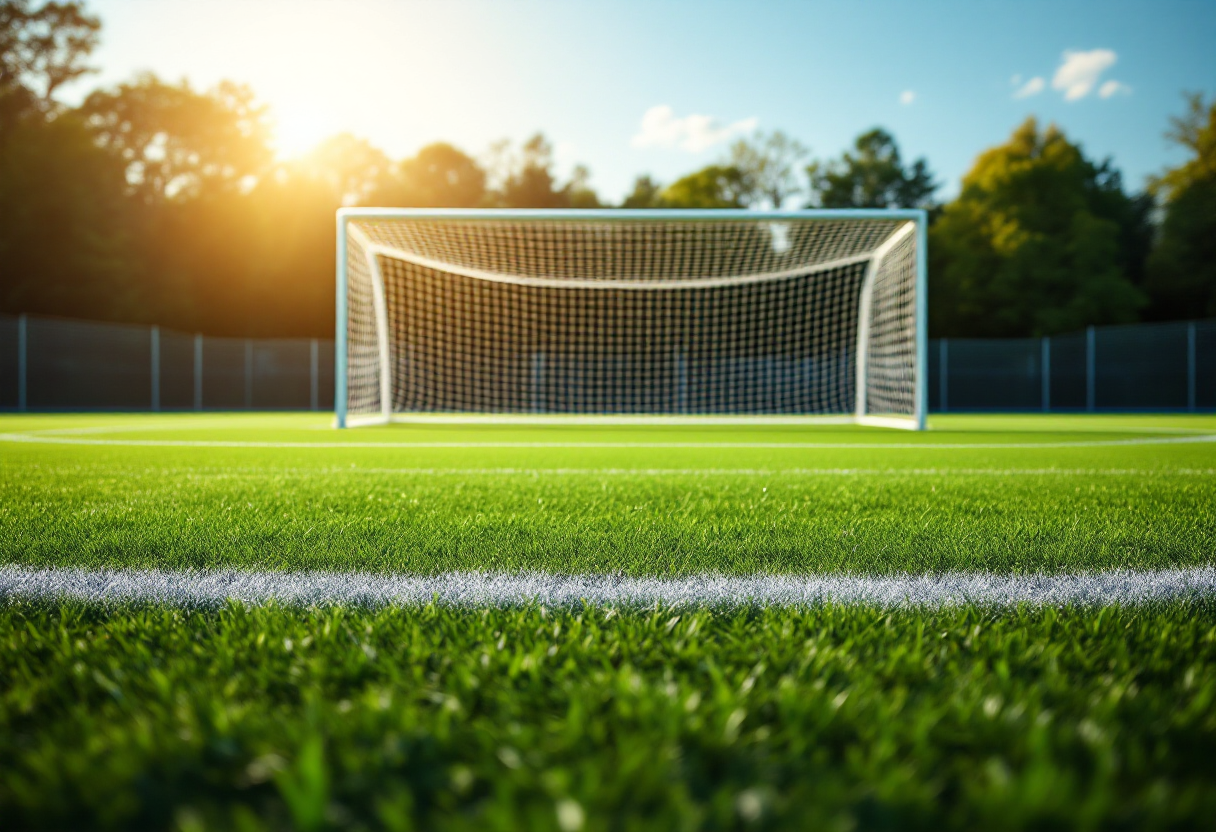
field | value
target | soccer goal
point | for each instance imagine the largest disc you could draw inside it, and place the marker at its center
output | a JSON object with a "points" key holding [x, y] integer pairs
{"points": [[623, 315]]}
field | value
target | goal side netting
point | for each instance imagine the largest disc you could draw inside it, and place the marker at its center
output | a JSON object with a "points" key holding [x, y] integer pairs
{"points": [[517, 314]]}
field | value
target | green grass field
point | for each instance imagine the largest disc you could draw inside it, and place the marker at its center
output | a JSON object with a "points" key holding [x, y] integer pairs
{"points": [[437, 717]]}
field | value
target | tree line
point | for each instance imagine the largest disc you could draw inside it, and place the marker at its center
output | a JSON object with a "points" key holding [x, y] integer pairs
{"points": [[156, 202]]}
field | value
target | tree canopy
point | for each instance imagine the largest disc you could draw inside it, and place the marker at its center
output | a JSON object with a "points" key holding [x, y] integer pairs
{"points": [[159, 202], [41, 49], [439, 176], [713, 186], [871, 175], [176, 141], [1182, 267], [768, 164], [526, 179], [1032, 244]]}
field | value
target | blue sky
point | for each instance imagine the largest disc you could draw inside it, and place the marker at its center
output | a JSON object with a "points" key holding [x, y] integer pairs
{"points": [[944, 77]]}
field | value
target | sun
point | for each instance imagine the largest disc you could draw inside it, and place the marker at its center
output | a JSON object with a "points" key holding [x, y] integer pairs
{"points": [[298, 130]]}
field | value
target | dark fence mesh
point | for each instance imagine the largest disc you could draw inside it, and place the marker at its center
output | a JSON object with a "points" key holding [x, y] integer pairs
{"points": [[1158, 367], [1205, 365], [89, 366], [77, 365], [224, 369], [1068, 374], [176, 371], [282, 374], [1141, 367], [993, 374], [8, 363]]}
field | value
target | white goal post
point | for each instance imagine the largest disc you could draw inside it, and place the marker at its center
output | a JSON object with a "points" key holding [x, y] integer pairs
{"points": [[621, 316]]}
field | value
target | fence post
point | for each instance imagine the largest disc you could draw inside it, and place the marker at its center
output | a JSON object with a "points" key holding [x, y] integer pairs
{"points": [[1045, 363], [312, 374], [198, 371], [22, 362], [249, 374], [1191, 360], [1091, 338], [942, 373], [155, 369]]}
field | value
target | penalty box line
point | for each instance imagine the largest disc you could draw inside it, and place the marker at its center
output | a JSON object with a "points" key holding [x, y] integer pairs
{"points": [[194, 588]]}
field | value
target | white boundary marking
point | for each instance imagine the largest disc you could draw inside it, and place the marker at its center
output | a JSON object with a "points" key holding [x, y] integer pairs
{"points": [[481, 589]]}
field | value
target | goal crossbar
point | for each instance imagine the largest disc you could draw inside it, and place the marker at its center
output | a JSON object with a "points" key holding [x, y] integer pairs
{"points": [[389, 291]]}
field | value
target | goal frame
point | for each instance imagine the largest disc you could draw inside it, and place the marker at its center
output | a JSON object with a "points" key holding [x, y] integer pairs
{"points": [[916, 217]]}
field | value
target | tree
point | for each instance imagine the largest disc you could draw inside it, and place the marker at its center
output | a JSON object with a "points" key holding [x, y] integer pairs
{"points": [[579, 190], [175, 141], [351, 167], [1181, 278], [1033, 245], [645, 193], [41, 49], [768, 163], [65, 243], [440, 176], [526, 179], [872, 175], [713, 186]]}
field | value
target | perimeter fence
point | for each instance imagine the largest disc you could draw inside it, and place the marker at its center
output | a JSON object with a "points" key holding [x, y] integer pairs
{"points": [[1137, 367], [49, 364]]}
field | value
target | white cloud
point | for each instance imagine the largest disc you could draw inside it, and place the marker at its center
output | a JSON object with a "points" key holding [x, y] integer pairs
{"points": [[1079, 72], [1032, 87], [1113, 87], [694, 133], [907, 97]]}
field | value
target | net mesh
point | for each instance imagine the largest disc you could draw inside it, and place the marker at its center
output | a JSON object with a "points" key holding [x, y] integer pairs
{"points": [[629, 316]]}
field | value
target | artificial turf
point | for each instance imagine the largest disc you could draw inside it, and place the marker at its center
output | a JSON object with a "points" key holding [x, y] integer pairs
{"points": [[597, 718], [984, 494], [448, 718]]}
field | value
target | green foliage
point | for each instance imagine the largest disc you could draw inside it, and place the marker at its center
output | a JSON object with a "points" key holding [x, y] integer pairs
{"points": [[872, 175], [768, 163], [1182, 268], [526, 179], [645, 194], [65, 242], [714, 186], [41, 49], [757, 172], [176, 142], [438, 718], [579, 190], [633, 510], [1196, 132], [350, 167], [440, 176], [1034, 244]]}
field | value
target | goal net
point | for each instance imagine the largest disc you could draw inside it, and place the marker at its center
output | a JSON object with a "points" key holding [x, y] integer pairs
{"points": [[630, 314]]}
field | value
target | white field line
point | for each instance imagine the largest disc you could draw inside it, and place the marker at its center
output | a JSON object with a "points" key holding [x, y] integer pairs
{"points": [[481, 589], [822, 446]]}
